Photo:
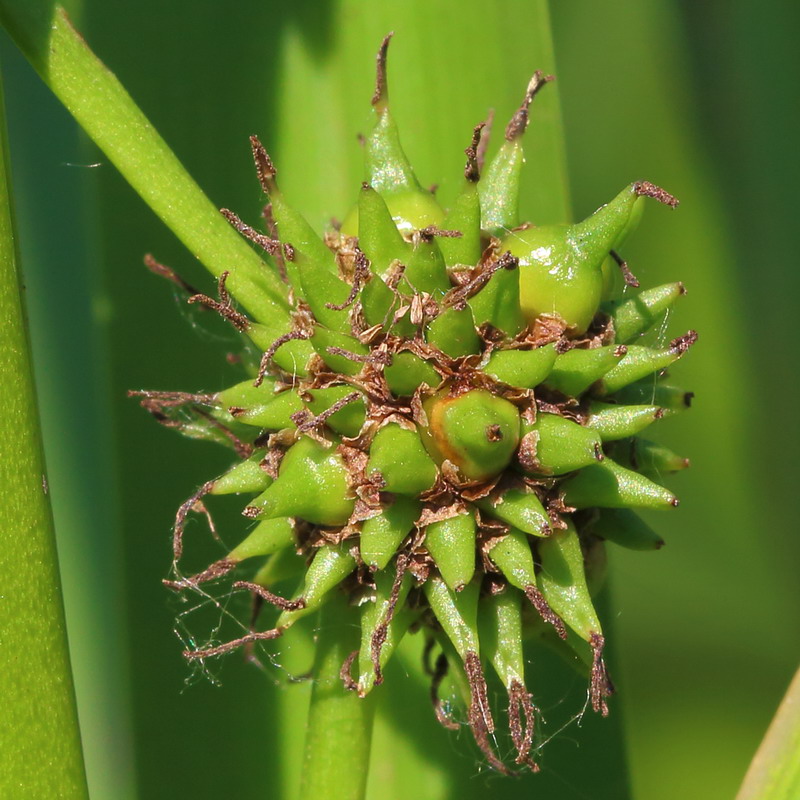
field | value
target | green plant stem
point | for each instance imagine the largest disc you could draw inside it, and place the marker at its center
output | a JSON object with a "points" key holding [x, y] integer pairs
{"points": [[99, 102], [339, 730], [774, 773], [39, 737]]}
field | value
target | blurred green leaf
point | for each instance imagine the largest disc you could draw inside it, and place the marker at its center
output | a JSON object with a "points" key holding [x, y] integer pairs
{"points": [[774, 772]]}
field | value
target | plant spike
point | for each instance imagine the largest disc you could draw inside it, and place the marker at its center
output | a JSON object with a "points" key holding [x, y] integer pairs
{"points": [[501, 626], [383, 625], [453, 332], [400, 461], [639, 362], [311, 484], [273, 415], [267, 537], [330, 566], [636, 315], [652, 391], [513, 557], [388, 168], [519, 508], [448, 425], [499, 189], [382, 534], [246, 476], [524, 368], [451, 544], [555, 445], [614, 421], [608, 485], [270, 536], [458, 616], [465, 215], [651, 459], [348, 407], [621, 526], [576, 370], [292, 227], [565, 589], [378, 236]]}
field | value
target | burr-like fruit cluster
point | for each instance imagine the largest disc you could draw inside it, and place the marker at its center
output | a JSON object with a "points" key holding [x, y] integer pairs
{"points": [[446, 426]]}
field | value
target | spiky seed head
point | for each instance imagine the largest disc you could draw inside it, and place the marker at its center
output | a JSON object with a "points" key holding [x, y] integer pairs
{"points": [[446, 428]]}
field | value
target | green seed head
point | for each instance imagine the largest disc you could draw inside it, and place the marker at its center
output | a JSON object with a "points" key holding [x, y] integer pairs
{"points": [[446, 428]]}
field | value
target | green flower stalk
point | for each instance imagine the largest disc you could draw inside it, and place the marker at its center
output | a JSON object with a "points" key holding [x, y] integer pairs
{"points": [[443, 429]]}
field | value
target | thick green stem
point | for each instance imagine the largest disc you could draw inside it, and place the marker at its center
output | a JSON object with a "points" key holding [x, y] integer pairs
{"points": [[39, 737], [339, 729], [99, 102]]}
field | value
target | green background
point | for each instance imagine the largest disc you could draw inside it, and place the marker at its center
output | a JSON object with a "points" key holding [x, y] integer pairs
{"points": [[698, 98]]}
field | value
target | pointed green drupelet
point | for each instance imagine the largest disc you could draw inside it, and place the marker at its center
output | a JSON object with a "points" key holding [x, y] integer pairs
{"points": [[639, 362], [451, 544], [312, 484], [384, 622], [382, 535], [457, 613], [651, 391], [388, 169], [577, 369], [561, 265], [512, 555], [378, 236], [464, 217], [408, 372], [500, 627], [246, 476], [498, 302], [453, 332], [523, 368], [608, 485], [245, 394], [615, 422], [555, 445], [273, 415], [519, 508], [349, 419], [650, 458], [499, 187], [266, 538], [401, 461], [563, 582], [340, 352], [330, 566], [634, 316], [626, 529]]}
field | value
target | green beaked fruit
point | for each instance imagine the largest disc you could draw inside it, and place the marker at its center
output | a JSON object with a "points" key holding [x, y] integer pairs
{"points": [[477, 432]]}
